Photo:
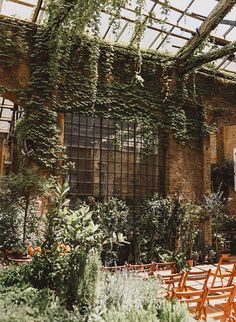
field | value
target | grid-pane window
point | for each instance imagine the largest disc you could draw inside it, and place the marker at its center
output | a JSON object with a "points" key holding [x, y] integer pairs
{"points": [[111, 158]]}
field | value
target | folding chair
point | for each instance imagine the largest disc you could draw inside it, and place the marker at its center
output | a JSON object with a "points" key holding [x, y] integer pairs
{"points": [[166, 266], [114, 269], [195, 280], [195, 301], [225, 268], [219, 303], [172, 281], [135, 267]]}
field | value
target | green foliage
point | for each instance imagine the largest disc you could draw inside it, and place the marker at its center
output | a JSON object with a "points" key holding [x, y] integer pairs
{"points": [[222, 176], [26, 304], [172, 311], [190, 227], [112, 218], [167, 224], [114, 298], [68, 263], [71, 71], [122, 295], [215, 210], [18, 192], [179, 258], [9, 221]]}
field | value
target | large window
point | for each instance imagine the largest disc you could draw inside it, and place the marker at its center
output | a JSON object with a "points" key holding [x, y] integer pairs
{"points": [[111, 158]]}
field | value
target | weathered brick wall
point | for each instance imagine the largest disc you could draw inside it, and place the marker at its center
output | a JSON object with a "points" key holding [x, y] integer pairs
{"points": [[188, 169], [222, 149]]}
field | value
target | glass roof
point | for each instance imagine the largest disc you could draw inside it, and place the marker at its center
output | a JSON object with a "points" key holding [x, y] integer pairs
{"points": [[180, 23]]}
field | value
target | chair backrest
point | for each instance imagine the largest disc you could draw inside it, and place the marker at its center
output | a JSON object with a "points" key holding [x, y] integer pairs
{"points": [[220, 295], [150, 267], [192, 279], [135, 267], [225, 268], [170, 266], [173, 281], [195, 300], [114, 268]]}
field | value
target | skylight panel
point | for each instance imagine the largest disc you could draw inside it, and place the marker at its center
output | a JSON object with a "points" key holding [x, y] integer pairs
{"points": [[232, 35], [182, 4], [17, 10], [203, 7], [149, 36], [171, 44], [231, 67]]}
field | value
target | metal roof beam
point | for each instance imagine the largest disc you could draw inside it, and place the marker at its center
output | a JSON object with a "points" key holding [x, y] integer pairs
{"points": [[37, 10], [198, 61], [217, 14]]}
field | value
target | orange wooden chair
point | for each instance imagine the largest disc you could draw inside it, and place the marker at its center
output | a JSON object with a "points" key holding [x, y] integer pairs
{"points": [[166, 266], [172, 281], [114, 269], [219, 304], [195, 280], [135, 267], [195, 301], [226, 268]]}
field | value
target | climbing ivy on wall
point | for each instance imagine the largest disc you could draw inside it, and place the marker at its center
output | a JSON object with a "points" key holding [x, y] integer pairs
{"points": [[74, 72]]}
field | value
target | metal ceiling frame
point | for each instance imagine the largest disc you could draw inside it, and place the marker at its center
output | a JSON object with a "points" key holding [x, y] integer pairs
{"points": [[174, 26]]}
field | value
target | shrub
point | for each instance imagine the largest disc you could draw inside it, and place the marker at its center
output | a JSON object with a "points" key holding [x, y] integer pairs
{"points": [[167, 225], [173, 311], [112, 217]]}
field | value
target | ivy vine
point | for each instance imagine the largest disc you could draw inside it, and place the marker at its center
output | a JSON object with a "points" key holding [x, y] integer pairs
{"points": [[71, 71]]}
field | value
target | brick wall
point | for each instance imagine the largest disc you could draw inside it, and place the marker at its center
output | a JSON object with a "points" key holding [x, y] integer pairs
{"points": [[222, 149], [188, 169]]}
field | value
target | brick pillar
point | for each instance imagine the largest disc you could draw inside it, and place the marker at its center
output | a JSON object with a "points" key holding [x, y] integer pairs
{"points": [[174, 166], [206, 186]]}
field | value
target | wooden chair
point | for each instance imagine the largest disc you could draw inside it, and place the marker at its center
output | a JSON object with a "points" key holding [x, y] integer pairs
{"points": [[195, 301], [219, 303], [226, 268], [195, 280], [114, 269], [166, 266], [135, 267], [172, 281]]}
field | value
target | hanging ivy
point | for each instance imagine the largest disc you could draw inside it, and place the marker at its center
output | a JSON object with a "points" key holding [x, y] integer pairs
{"points": [[72, 71]]}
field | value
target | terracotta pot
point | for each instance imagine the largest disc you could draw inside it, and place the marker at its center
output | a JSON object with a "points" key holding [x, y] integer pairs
{"points": [[30, 250], [225, 256], [190, 262]]}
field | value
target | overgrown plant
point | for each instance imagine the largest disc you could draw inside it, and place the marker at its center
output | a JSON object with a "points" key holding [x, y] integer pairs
{"points": [[70, 265], [215, 211], [21, 192], [167, 225], [80, 73], [112, 217]]}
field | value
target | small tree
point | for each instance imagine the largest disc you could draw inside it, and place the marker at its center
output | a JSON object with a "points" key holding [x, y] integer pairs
{"points": [[190, 228], [22, 190], [215, 206]]}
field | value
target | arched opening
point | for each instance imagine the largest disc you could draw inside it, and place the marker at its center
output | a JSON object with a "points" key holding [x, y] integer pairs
{"points": [[9, 114]]}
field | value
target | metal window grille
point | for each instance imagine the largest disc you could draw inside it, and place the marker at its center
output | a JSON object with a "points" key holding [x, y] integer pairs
{"points": [[111, 158]]}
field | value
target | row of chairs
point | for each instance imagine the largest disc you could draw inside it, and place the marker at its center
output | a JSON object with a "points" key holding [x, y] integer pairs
{"points": [[210, 303], [216, 302], [226, 268], [185, 281], [138, 268]]}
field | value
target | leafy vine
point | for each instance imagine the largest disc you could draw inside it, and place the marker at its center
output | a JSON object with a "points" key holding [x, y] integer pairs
{"points": [[71, 71]]}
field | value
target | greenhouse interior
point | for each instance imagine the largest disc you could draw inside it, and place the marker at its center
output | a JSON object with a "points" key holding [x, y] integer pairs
{"points": [[117, 160]]}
